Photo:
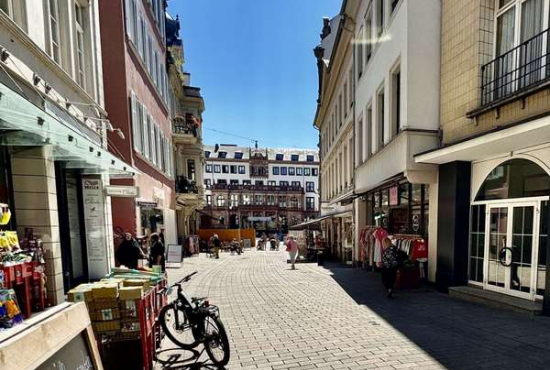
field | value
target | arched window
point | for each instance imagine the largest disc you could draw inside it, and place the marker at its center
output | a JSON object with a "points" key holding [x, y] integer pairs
{"points": [[516, 178], [220, 201]]}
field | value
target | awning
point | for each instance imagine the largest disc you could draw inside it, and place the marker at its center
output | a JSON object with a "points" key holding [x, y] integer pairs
{"points": [[308, 224], [491, 144], [345, 198], [25, 124]]}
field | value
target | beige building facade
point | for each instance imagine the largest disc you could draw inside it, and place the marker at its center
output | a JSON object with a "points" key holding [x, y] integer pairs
{"points": [[494, 160]]}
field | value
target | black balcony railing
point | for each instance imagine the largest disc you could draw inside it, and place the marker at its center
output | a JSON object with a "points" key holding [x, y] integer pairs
{"points": [[517, 70], [186, 186], [258, 188]]}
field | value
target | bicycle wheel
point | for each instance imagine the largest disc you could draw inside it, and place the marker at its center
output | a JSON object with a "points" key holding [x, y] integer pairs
{"points": [[180, 332], [216, 341]]}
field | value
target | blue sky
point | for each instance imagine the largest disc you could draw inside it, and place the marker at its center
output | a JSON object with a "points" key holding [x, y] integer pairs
{"points": [[253, 60]]}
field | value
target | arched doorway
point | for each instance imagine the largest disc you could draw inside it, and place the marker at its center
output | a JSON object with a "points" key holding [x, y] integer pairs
{"points": [[509, 228]]}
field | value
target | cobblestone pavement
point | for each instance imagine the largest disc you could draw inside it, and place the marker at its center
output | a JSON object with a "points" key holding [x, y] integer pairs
{"points": [[339, 318]]}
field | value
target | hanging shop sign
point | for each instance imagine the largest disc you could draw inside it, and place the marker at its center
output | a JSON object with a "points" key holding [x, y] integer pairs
{"points": [[416, 222], [147, 204], [94, 218], [394, 196], [48, 343], [122, 191]]}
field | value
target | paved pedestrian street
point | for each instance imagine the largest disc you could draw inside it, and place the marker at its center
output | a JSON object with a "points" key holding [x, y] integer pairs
{"points": [[335, 317]]}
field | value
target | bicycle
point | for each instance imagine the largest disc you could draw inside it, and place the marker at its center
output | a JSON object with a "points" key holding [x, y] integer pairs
{"points": [[191, 322]]}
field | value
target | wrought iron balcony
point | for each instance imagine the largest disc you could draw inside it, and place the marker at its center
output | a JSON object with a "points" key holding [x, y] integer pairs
{"points": [[186, 186], [258, 188], [517, 70]]}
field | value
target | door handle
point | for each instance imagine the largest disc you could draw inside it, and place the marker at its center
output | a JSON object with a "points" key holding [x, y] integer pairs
{"points": [[502, 254]]}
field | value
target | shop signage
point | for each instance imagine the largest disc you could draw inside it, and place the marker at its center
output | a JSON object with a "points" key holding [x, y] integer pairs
{"points": [[147, 204], [74, 355], [174, 253], [416, 222], [122, 191], [94, 218], [394, 197]]}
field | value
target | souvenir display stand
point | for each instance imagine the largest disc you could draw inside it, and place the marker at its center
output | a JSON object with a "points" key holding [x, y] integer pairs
{"points": [[124, 308], [413, 248], [47, 342]]}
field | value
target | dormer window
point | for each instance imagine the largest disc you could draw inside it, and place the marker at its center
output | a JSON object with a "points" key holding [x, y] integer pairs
{"points": [[294, 157], [222, 155], [279, 157], [238, 155], [310, 158], [207, 154]]}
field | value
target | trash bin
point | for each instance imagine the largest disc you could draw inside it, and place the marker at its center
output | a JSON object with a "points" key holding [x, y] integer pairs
{"points": [[320, 259]]}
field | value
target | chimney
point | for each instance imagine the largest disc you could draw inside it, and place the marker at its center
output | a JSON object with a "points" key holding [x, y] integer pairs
{"points": [[326, 28]]}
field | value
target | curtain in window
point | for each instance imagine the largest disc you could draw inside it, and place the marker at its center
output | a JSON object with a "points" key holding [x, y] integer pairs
{"points": [[531, 51], [504, 67]]}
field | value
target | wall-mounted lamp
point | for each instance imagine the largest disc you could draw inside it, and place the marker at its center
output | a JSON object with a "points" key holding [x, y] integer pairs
{"points": [[40, 121], [4, 55], [36, 79], [47, 88]]}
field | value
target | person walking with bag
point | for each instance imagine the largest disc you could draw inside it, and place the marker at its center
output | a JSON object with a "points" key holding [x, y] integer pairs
{"points": [[389, 265], [292, 249]]}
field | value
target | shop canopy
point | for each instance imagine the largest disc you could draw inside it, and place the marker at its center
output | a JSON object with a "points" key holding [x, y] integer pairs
{"points": [[311, 224], [500, 141], [24, 124]]}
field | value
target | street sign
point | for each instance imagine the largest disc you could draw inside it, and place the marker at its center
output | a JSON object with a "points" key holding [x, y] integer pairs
{"points": [[147, 204], [122, 191]]}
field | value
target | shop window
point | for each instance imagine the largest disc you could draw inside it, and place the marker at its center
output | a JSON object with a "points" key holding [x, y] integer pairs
{"points": [[217, 168], [242, 170], [384, 196], [416, 194], [516, 178], [477, 243], [404, 193]]}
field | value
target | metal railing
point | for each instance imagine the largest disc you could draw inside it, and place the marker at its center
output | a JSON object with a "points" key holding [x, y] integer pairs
{"points": [[516, 70], [186, 186], [259, 188], [185, 127]]}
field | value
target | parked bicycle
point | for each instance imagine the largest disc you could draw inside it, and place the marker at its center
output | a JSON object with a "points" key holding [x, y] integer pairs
{"points": [[189, 322]]}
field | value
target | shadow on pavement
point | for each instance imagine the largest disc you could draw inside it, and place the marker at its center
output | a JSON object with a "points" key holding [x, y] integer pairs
{"points": [[180, 359], [459, 335]]}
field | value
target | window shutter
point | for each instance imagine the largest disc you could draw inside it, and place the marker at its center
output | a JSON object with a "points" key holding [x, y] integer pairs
{"points": [[134, 103], [145, 133], [152, 148]]}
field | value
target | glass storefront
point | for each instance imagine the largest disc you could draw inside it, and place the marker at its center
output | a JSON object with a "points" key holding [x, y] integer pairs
{"points": [[509, 230]]}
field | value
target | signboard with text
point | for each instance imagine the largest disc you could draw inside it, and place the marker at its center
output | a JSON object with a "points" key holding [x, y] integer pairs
{"points": [[122, 191], [94, 218]]}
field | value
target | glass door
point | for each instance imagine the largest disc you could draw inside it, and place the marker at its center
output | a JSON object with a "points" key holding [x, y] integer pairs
{"points": [[512, 256]]}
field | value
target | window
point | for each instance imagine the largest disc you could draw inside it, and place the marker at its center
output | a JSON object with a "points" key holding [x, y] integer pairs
{"points": [[55, 40], [298, 171], [275, 170], [238, 155], [209, 200], [295, 157], [258, 199], [242, 170], [283, 171], [296, 184], [291, 171], [345, 99], [233, 182], [222, 154], [259, 183], [282, 201], [272, 183], [368, 34], [359, 141], [225, 168], [246, 199], [315, 172], [368, 134], [340, 115], [234, 201], [307, 171], [80, 47], [283, 183], [359, 50], [380, 119], [380, 16], [217, 168], [222, 182], [207, 183], [477, 243], [247, 182], [6, 7], [207, 154], [310, 186], [233, 169], [191, 175], [310, 158], [279, 157], [294, 203], [220, 201], [394, 5], [271, 200], [396, 101], [310, 203]]}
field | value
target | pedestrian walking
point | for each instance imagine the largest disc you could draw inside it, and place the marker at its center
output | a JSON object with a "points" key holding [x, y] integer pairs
{"points": [[389, 265], [128, 252], [156, 257], [217, 245], [292, 249]]}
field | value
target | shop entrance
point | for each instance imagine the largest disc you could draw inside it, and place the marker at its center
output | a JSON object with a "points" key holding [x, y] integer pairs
{"points": [[509, 226]]}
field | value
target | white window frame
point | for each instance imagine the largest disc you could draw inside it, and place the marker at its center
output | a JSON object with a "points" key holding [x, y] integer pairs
{"points": [[53, 26], [80, 43]]}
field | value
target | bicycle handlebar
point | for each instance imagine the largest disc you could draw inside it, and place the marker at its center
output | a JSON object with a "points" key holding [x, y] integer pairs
{"points": [[186, 278]]}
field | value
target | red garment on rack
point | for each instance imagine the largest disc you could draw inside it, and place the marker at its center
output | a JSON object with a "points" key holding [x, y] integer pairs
{"points": [[419, 249]]}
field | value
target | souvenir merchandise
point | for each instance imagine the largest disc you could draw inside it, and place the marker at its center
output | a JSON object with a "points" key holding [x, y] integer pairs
{"points": [[10, 313]]}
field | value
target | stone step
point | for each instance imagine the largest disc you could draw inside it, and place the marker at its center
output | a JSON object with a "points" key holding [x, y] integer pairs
{"points": [[493, 299]]}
